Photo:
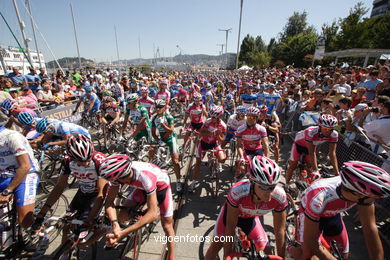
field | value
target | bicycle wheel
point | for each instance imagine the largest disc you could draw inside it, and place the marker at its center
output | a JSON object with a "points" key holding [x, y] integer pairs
{"points": [[233, 154], [132, 246], [65, 251], [292, 221], [87, 252], [215, 179]]}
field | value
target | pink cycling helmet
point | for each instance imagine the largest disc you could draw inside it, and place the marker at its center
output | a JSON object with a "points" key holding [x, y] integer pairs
{"points": [[366, 179], [216, 111], [254, 111], [115, 167], [264, 171], [197, 97], [144, 90], [328, 121]]}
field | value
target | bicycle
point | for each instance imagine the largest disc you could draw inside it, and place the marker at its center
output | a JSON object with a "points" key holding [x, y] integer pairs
{"points": [[214, 165], [185, 151], [233, 153], [14, 240], [137, 150], [89, 121], [162, 157]]}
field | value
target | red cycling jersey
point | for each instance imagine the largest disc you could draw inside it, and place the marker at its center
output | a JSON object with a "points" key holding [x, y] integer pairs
{"points": [[164, 95], [87, 175], [147, 102], [240, 196], [182, 95], [213, 128], [195, 112], [251, 136], [313, 135]]}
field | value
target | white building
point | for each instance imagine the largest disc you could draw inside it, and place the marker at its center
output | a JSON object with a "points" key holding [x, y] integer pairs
{"points": [[12, 56]]}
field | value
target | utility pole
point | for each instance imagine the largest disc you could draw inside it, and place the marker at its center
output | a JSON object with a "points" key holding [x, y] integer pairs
{"points": [[75, 35], [116, 42], [239, 32], [22, 26], [139, 46], [227, 35], [221, 52], [33, 30]]}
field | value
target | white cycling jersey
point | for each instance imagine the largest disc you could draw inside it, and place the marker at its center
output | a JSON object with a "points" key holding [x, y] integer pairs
{"points": [[233, 123]]}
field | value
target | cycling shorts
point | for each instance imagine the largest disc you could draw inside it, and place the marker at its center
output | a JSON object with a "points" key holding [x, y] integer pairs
{"points": [[82, 203], [204, 147], [172, 144], [146, 132], [196, 126], [26, 191], [332, 228], [297, 151], [229, 136], [109, 118], [164, 198], [253, 153], [250, 226]]}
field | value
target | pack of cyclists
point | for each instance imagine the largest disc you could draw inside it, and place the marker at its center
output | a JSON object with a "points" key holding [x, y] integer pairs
{"points": [[250, 118]]}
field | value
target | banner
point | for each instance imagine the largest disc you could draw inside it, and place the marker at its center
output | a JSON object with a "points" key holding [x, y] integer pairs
{"points": [[320, 49], [63, 113]]}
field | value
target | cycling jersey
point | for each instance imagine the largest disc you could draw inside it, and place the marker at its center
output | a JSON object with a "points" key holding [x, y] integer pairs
{"points": [[117, 91], [248, 99], [195, 112], [13, 144], [166, 119], [209, 97], [228, 104], [260, 98], [110, 110], [87, 175], [272, 101], [213, 128], [88, 101], [182, 95], [137, 114], [147, 102], [233, 123], [313, 135], [251, 136], [164, 95], [64, 128]]}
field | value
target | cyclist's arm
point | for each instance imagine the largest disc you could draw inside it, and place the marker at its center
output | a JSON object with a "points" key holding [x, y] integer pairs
{"points": [[185, 119], [204, 111], [154, 133], [54, 194], [370, 231], [313, 156], [138, 128], [60, 142], [21, 172], [204, 132], [311, 245], [150, 216], [264, 143], [333, 157], [280, 231], [231, 223], [116, 119], [125, 123], [102, 186], [91, 106], [240, 147], [77, 105]]}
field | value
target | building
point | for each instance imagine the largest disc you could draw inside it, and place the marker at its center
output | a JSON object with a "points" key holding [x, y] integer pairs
{"points": [[13, 56], [380, 8]]}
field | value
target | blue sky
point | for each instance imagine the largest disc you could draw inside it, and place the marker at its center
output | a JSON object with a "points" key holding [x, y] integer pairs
{"points": [[191, 24]]}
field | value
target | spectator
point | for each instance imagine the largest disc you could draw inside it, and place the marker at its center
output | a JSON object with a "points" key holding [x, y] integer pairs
{"points": [[339, 93], [327, 106], [371, 84], [381, 126], [345, 109], [5, 83], [383, 89], [16, 76], [33, 80], [57, 98], [358, 96], [28, 97], [362, 81], [45, 96], [42, 74], [76, 77], [314, 103], [343, 85]]}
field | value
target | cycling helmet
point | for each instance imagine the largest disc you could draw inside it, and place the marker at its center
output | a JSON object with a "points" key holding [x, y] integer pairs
{"points": [[208, 86], [79, 147], [25, 118], [133, 97], [216, 111], [163, 82], [366, 179], [42, 125], [115, 167], [197, 96], [106, 93], [263, 109], [88, 89], [328, 121], [241, 110], [160, 103], [144, 90], [8, 104], [264, 171], [229, 96], [253, 111]]}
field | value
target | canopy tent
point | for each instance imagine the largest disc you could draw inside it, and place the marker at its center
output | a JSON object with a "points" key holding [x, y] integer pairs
{"points": [[245, 67]]}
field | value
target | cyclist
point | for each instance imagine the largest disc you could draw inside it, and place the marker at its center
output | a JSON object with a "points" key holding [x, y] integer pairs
{"points": [[11, 108], [152, 187], [163, 93], [165, 124], [228, 105], [82, 162], [234, 122], [209, 97], [28, 122], [248, 97], [182, 97], [145, 100], [55, 132], [91, 101], [118, 92], [19, 179], [194, 111], [322, 203], [305, 145], [139, 117], [272, 124], [249, 199], [252, 138], [211, 136]]}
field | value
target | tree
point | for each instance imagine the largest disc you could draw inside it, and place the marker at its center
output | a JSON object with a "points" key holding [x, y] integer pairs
{"points": [[380, 32], [247, 49], [271, 45], [261, 59], [260, 45], [329, 32], [295, 48], [296, 24]]}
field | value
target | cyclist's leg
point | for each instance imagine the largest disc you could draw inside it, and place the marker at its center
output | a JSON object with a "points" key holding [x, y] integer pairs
{"points": [[220, 154], [334, 229], [199, 154], [165, 202], [25, 195], [276, 148], [174, 151], [255, 231], [293, 163]]}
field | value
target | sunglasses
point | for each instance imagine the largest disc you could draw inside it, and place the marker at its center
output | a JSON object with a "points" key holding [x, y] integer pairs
{"points": [[326, 129], [251, 116], [159, 107], [266, 187]]}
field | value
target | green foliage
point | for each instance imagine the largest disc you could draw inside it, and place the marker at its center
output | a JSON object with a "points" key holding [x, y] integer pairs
{"points": [[260, 45]]}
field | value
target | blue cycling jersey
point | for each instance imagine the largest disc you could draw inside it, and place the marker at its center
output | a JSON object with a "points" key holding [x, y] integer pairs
{"points": [[64, 128], [88, 101], [248, 98]]}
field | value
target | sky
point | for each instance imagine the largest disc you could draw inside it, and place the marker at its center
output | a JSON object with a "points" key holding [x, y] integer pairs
{"points": [[192, 25]]}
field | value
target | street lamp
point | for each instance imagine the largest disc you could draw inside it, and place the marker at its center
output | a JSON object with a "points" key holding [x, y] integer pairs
{"points": [[227, 35], [239, 31]]}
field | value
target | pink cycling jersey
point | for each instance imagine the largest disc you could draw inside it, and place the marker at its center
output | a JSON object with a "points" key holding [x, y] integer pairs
{"points": [[240, 196], [313, 135], [147, 102], [195, 112], [164, 95], [213, 128], [182, 95], [251, 136], [148, 177]]}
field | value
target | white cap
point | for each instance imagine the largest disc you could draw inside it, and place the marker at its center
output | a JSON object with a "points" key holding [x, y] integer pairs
{"points": [[360, 107]]}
